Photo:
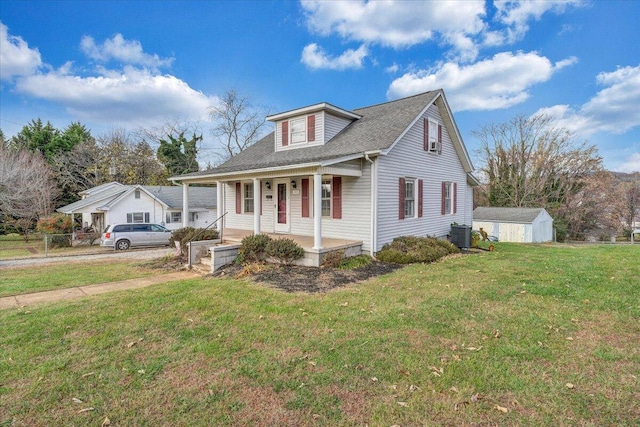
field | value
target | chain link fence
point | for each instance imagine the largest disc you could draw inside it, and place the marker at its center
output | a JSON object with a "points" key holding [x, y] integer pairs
{"points": [[42, 244]]}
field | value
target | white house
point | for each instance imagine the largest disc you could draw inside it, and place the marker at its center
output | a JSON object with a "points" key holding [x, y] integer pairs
{"points": [[367, 175], [114, 203], [523, 225]]}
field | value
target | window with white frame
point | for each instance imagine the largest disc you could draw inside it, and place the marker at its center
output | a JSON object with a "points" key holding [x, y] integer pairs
{"points": [[409, 198], [298, 130], [137, 217], [176, 216], [248, 198], [448, 197], [193, 216], [433, 136], [326, 197]]}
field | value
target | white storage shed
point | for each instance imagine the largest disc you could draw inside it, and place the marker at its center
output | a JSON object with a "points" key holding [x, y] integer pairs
{"points": [[521, 225]]}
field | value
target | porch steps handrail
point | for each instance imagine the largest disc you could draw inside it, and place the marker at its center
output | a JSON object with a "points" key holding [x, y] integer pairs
{"points": [[198, 234]]}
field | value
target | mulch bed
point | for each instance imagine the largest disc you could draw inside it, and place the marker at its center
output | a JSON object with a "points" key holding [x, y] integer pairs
{"points": [[307, 279]]}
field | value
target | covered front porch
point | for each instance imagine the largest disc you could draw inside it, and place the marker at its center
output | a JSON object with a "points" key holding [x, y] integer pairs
{"points": [[231, 238]]}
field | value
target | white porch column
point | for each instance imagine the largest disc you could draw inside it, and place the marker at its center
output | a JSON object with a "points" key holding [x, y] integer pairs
{"points": [[256, 206], [185, 205], [219, 205], [317, 211]]}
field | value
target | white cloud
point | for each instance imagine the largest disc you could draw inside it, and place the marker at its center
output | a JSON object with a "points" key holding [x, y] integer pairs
{"points": [[392, 68], [122, 50], [397, 24], [132, 97], [499, 82], [464, 26], [314, 57], [516, 14], [16, 57], [613, 109], [631, 165]]}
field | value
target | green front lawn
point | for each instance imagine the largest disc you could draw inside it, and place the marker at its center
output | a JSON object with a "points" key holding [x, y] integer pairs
{"points": [[525, 335], [14, 281]]}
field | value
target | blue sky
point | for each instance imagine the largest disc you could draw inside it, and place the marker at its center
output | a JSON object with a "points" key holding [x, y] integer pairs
{"points": [[139, 64]]}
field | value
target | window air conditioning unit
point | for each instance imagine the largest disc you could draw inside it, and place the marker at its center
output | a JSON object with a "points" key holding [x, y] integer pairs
{"points": [[434, 146]]}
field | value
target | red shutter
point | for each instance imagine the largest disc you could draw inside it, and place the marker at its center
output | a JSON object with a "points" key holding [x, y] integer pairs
{"points": [[439, 139], [420, 198], [238, 198], [401, 189], [285, 133], [305, 197], [443, 201], [336, 191], [425, 137], [311, 128], [455, 197]]}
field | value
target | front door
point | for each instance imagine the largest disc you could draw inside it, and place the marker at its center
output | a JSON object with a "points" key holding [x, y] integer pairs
{"points": [[282, 207]]}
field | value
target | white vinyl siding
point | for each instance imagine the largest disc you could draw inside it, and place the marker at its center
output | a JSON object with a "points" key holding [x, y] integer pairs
{"points": [[333, 125], [355, 223], [408, 157]]}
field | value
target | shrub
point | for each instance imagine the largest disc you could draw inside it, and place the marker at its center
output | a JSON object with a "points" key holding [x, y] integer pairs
{"points": [[412, 249], [332, 259], [55, 224], [58, 225], [253, 247], [284, 250], [355, 262], [186, 234]]}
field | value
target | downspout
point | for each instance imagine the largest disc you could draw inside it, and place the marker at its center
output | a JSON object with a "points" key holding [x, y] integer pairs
{"points": [[374, 204]]}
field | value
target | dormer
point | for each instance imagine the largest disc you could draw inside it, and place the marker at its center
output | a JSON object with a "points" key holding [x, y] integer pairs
{"points": [[309, 126]]}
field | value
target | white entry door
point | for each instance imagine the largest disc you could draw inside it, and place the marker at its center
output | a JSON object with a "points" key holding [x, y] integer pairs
{"points": [[282, 203]]}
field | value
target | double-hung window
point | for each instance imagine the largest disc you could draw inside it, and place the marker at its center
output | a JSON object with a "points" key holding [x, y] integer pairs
{"points": [[326, 197], [137, 217], [409, 198], [248, 198], [298, 130], [449, 197]]}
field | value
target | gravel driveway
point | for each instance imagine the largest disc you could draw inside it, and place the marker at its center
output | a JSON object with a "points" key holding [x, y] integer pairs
{"points": [[134, 253]]}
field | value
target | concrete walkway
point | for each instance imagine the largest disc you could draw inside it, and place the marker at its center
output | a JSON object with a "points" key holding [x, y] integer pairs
{"points": [[23, 300]]}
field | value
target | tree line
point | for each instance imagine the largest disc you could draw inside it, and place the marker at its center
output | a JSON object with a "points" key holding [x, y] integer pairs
{"points": [[43, 168], [529, 162]]}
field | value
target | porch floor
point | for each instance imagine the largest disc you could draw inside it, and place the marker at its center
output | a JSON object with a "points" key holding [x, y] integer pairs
{"points": [[234, 235]]}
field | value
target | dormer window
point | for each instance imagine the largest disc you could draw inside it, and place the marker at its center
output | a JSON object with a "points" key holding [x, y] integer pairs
{"points": [[310, 126], [298, 129]]}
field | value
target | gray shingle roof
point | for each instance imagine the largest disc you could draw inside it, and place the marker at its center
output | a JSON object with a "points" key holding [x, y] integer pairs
{"points": [[105, 195], [519, 215], [379, 127], [199, 197]]}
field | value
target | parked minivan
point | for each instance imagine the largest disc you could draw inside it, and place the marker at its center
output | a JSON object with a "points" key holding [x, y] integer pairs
{"points": [[124, 236]]}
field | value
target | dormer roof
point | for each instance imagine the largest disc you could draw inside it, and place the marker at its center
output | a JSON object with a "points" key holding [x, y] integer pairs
{"points": [[323, 106]]}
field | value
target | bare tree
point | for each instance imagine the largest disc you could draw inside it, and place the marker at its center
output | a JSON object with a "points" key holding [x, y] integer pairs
{"points": [[238, 123], [528, 162], [27, 187], [630, 197]]}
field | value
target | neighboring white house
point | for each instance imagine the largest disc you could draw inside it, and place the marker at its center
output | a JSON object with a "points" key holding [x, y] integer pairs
{"points": [[369, 175], [114, 203], [522, 225]]}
